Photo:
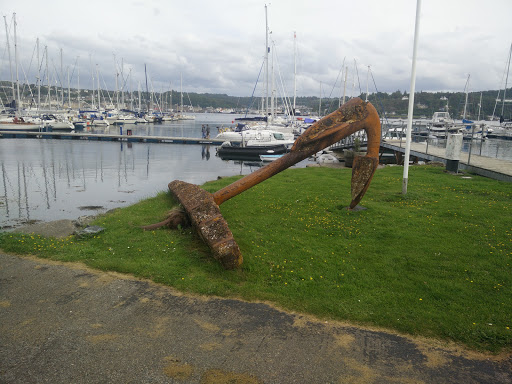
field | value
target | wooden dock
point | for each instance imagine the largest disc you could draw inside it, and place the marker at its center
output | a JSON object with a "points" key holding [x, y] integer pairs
{"points": [[480, 165], [106, 137]]}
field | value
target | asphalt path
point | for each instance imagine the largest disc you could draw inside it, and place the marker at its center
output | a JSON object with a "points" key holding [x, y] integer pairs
{"points": [[65, 323]]}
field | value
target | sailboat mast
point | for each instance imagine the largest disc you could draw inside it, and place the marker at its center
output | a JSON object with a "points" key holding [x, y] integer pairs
{"points": [[272, 93], [131, 89], [170, 96], [181, 93], [265, 107], [147, 90], [69, 91], [139, 97], [10, 61], [61, 80], [354, 78], [342, 69], [98, 82], [367, 78], [38, 78], [479, 106], [294, 70], [78, 80], [49, 93], [320, 102], [93, 93], [506, 83], [466, 102], [16, 63], [345, 84], [122, 82], [117, 85]]}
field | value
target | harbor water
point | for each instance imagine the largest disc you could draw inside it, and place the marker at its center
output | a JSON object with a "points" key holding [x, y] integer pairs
{"points": [[45, 180], [51, 179]]}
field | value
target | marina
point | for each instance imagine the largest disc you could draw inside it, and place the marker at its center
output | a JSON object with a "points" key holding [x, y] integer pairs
{"points": [[75, 162], [141, 146], [53, 175], [51, 179]]}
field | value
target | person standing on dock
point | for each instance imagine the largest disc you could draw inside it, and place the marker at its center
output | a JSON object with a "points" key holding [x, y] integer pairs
{"points": [[203, 129], [207, 131]]}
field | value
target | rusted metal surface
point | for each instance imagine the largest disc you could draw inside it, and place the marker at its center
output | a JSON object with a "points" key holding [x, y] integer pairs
{"points": [[348, 119], [362, 172], [175, 218], [203, 207], [205, 216]]}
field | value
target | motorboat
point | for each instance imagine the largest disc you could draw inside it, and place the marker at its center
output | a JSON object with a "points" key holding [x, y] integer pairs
{"points": [[168, 117], [268, 158], [56, 123], [243, 132], [125, 119], [442, 124], [181, 116], [227, 151], [440, 119], [253, 143]]}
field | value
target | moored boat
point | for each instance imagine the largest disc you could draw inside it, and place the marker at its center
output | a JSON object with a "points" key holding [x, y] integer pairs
{"points": [[442, 124], [17, 124], [227, 151], [245, 133], [270, 157], [253, 143], [56, 123]]}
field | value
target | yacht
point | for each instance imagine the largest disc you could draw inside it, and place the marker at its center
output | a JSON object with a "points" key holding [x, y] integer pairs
{"points": [[442, 124], [250, 144]]}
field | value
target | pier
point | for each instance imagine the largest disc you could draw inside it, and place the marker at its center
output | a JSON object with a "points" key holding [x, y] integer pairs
{"points": [[106, 137], [493, 168]]}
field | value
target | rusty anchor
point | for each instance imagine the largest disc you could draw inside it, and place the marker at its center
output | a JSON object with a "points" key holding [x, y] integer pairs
{"points": [[201, 208]]}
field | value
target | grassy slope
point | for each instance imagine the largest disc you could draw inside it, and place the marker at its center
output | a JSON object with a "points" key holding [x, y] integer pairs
{"points": [[436, 262]]}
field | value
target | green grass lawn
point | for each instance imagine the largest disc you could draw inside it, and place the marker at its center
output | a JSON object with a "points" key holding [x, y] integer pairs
{"points": [[436, 262]]}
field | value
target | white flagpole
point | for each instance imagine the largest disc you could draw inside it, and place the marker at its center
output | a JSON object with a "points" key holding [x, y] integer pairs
{"points": [[411, 101]]}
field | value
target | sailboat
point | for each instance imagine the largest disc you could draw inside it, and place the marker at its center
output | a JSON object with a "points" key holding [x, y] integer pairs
{"points": [[14, 122], [260, 132], [17, 124], [504, 123], [251, 141], [502, 131], [181, 115]]}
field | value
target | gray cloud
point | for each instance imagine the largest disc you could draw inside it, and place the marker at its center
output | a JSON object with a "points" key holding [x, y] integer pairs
{"points": [[218, 47]]}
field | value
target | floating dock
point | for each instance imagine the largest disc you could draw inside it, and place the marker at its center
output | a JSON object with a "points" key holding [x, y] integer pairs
{"points": [[106, 137]]}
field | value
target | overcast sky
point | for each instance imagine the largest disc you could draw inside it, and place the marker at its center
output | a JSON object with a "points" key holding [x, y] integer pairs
{"points": [[218, 46]]}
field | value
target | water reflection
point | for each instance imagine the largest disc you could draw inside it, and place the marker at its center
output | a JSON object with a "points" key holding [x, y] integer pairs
{"points": [[205, 151], [58, 179]]}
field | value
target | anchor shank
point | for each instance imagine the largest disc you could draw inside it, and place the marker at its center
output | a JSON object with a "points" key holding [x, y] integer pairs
{"points": [[348, 119]]}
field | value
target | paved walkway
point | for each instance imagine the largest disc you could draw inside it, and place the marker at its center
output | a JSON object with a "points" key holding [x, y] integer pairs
{"points": [[64, 323]]}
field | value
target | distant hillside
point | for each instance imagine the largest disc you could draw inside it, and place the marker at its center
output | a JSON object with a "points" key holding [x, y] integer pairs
{"points": [[390, 105], [426, 103]]}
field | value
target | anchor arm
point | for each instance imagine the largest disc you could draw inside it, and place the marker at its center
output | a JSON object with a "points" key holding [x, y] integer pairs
{"points": [[348, 119]]}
